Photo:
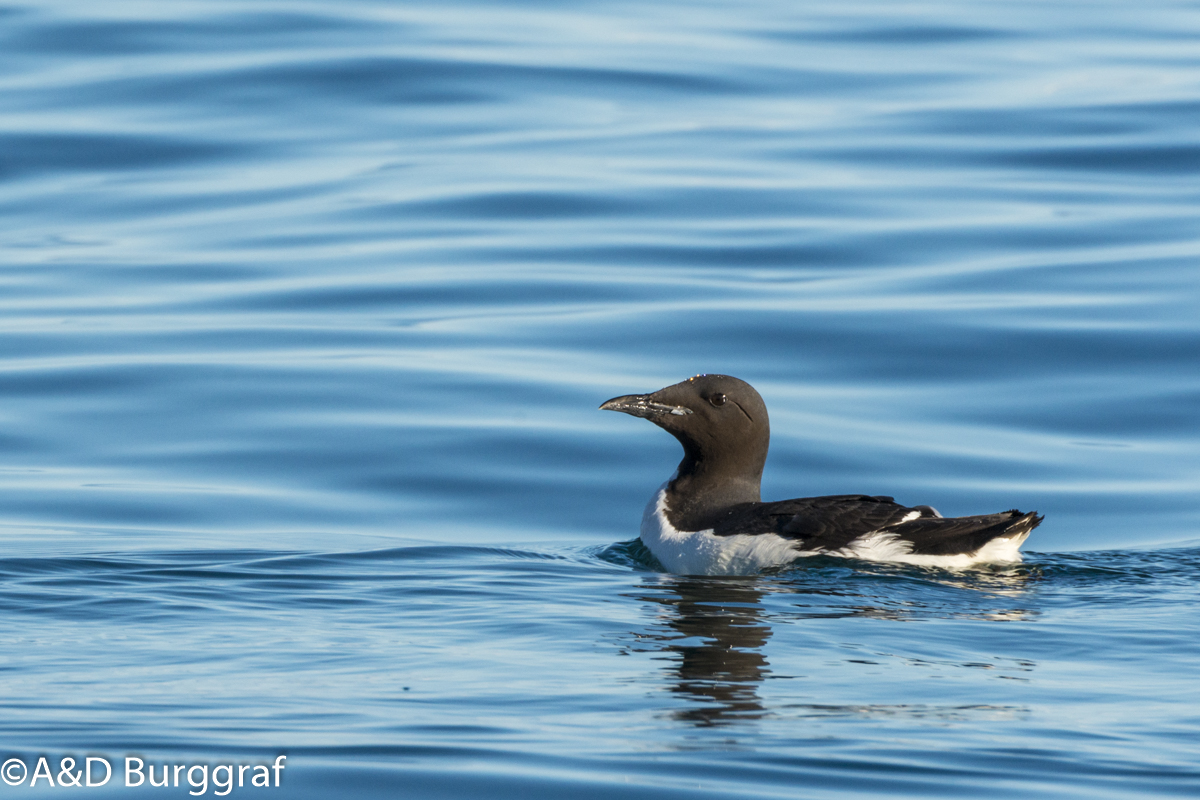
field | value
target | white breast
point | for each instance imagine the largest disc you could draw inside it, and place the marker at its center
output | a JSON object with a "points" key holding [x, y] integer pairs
{"points": [[704, 553]]}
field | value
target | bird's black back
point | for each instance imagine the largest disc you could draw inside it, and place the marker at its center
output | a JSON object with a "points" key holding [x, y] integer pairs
{"points": [[833, 522]]}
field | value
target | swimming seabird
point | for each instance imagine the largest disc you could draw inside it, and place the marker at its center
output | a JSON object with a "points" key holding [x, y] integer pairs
{"points": [[709, 518]]}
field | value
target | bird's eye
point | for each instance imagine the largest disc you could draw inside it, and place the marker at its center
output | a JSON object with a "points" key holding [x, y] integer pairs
{"points": [[717, 399]]}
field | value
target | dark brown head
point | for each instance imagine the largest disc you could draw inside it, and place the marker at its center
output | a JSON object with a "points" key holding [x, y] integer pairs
{"points": [[723, 426]]}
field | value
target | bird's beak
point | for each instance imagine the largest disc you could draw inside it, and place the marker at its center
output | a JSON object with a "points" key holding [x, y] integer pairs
{"points": [[642, 405]]}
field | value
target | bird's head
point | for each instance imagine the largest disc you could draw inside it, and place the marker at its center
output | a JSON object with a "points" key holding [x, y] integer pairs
{"points": [[720, 421]]}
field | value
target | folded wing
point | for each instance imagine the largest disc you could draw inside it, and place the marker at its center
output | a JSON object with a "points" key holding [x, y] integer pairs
{"points": [[828, 524]]}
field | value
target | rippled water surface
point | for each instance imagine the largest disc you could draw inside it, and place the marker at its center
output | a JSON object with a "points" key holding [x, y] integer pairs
{"points": [[306, 309]]}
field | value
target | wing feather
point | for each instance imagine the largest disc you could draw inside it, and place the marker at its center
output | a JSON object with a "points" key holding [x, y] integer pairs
{"points": [[831, 523]]}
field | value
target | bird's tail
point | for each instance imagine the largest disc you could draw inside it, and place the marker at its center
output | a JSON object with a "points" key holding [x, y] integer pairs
{"points": [[1018, 529]]}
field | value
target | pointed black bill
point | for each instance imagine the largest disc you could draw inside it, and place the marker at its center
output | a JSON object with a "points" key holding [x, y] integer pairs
{"points": [[641, 405]]}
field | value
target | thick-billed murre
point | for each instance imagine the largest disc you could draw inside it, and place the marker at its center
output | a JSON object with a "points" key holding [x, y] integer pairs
{"points": [[709, 518]]}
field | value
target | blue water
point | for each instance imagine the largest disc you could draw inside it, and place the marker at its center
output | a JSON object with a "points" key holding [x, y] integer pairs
{"points": [[306, 309]]}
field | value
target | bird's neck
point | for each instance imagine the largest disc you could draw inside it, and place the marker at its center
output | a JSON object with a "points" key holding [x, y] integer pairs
{"points": [[704, 490]]}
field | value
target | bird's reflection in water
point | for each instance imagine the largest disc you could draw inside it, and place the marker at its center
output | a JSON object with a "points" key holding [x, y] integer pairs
{"points": [[713, 629]]}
